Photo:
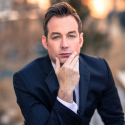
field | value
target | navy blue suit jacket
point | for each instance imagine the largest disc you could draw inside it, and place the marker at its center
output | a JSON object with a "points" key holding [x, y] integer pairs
{"points": [[36, 87]]}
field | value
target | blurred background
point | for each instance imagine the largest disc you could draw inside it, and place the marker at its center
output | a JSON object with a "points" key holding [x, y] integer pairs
{"points": [[21, 29]]}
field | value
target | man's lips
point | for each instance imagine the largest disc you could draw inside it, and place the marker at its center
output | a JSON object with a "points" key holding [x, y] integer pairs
{"points": [[65, 54]]}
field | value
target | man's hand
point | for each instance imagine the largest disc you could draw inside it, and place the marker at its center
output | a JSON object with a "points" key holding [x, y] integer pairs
{"points": [[68, 76]]}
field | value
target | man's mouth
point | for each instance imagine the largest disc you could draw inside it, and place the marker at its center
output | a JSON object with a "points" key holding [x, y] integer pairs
{"points": [[65, 54]]}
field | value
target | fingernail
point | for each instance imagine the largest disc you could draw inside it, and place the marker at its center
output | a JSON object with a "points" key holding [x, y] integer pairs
{"points": [[75, 52]]}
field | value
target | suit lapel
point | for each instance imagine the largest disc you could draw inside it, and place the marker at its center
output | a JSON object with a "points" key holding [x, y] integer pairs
{"points": [[83, 84], [53, 85], [51, 79]]}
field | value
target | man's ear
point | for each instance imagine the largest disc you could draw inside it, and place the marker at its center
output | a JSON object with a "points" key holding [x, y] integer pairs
{"points": [[81, 39], [44, 42]]}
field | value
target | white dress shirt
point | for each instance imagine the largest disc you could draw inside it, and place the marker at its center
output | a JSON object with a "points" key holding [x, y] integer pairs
{"points": [[72, 106]]}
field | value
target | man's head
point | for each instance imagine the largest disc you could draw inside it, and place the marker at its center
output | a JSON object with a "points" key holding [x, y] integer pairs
{"points": [[60, 10], [62, 27]]}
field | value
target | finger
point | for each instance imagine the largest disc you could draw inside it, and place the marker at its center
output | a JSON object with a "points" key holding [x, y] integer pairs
{"points": [[76, 66], [57, 65], [70, 59], [74, 62]]}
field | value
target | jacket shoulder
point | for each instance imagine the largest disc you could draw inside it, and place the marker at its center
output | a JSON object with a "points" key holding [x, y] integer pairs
{"points": [[93, 59], [33, 66], [95, 63]]}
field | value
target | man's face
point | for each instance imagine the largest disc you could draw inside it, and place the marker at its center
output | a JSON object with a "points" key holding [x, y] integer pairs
{"points": [[63, 38]]}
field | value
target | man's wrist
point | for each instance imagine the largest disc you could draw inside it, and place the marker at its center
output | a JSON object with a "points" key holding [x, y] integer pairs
{"points": [[72, 106], [66, 95]]}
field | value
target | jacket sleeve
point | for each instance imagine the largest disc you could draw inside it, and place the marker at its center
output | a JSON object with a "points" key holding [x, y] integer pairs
{"points": [[110, 108], [35, 113]]}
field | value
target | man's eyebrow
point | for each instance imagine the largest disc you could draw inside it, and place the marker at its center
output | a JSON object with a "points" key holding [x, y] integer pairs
{"points": [[72, 32], [55, 33]]}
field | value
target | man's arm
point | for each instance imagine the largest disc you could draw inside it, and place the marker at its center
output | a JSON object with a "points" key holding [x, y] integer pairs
{"points": [[110, 107], [68, 76], [35, 113]]}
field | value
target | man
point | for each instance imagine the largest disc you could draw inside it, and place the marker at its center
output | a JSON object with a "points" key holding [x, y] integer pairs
{"points": [[45, 88]]}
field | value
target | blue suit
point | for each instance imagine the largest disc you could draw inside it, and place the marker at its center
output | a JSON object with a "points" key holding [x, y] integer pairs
{"points": [[36, 87]]}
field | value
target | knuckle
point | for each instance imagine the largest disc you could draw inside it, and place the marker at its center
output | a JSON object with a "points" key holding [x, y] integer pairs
{"points": [[72, 55], [70, 68], [76, 71], [76, 58], [64, 67]]}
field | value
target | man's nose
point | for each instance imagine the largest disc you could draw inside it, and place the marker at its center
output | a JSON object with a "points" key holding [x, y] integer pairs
{"points": [[64, 43]]}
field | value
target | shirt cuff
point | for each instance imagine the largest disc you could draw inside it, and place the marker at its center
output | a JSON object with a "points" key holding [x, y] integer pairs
{"points": [[72, 106]]}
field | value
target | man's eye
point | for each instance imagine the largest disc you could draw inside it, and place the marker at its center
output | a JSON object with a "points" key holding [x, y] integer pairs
{"points": [[71, 36], [56, 37]]}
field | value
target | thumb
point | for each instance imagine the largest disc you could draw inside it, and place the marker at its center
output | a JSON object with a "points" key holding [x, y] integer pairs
{"points": [[57, 64]]}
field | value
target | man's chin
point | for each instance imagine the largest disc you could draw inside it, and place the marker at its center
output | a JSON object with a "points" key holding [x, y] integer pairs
{"points": [[62, 61]]}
